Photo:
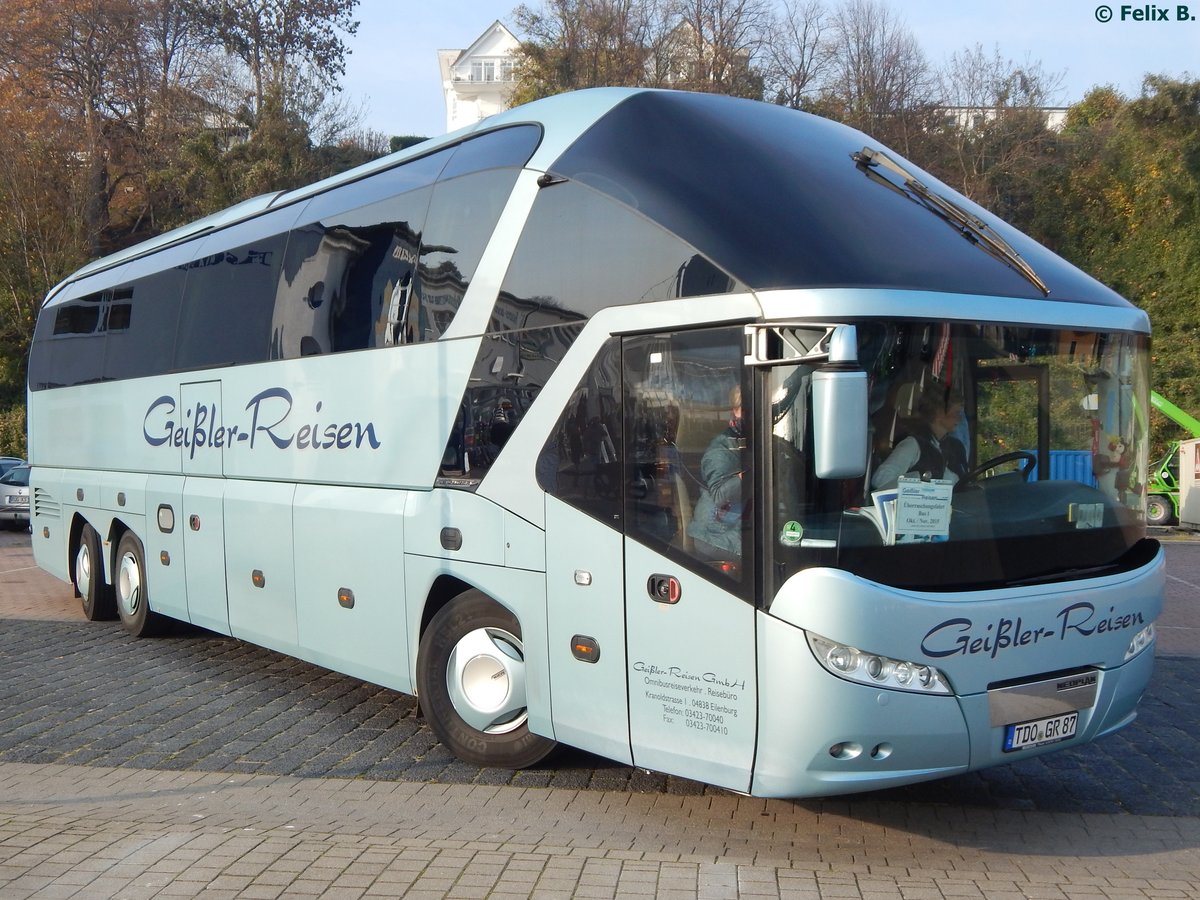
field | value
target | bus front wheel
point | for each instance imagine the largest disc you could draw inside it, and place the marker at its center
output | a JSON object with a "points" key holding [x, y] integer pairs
{"points": [[471, 682], [88, 571], [133, 598]]}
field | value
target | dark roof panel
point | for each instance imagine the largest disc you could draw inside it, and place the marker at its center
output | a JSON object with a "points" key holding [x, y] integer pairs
{"points": [[775, 197]]}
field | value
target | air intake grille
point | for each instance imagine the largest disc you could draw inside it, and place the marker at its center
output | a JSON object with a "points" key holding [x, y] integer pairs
{"points": [[45, 506]]}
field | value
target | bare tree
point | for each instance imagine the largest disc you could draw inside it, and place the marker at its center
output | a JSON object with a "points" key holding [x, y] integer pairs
{"points": [[994, 132], [797, 53], [79, 58], [717, 43], [880, 81], [571, 44], [279, 39], [704, 45]]}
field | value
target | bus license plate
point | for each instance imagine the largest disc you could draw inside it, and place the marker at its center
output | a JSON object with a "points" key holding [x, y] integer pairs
{"points": [[1040, 731]]}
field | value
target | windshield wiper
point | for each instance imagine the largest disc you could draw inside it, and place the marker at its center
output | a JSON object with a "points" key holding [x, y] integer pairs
{"points": [[970, 227]]}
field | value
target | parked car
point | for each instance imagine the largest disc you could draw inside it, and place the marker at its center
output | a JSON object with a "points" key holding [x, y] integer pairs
{"points": [[8, 463], [14, 497]]}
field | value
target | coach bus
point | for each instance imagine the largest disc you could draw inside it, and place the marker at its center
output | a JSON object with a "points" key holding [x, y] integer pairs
{"points": [[571, 424]]}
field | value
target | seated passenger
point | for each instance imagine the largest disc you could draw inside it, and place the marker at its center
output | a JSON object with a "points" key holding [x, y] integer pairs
{"points": [[930, 451], [716, 526]]}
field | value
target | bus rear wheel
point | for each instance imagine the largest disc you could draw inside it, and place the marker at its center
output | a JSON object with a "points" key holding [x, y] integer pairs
{"points": [[471, 682], [1159, 510], [133, 598], [88, 576]]}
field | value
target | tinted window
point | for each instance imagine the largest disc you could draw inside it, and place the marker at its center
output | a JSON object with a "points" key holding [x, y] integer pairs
{"points": [[125, 331], [509, 373], [462, 216], [402, 179], [581, 252], [80, 317], [774, 197], [68, 343], [688, 476], [230, 295], [506, 148], [141, 325], [349, 280], [581, 463]]}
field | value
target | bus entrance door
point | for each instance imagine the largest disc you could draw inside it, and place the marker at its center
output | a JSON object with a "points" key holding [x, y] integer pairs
{"points": [[692, 688], [690, 643]]}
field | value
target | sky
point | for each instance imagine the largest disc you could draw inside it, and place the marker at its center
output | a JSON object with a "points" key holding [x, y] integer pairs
{"points": [[392, 70]]}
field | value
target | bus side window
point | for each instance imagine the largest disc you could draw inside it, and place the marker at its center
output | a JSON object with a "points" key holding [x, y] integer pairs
{"points": [[688, 476], [347, 280], [565, 266], [229, 294], [581, 462], [462, 216], [509, 373], [70, 342]]}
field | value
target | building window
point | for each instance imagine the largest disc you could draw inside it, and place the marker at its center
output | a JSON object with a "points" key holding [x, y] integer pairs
{"points": [[483, 70]]}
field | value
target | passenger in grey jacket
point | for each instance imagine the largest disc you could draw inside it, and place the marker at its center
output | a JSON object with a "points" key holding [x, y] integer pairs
{"points": [[716, 526]]}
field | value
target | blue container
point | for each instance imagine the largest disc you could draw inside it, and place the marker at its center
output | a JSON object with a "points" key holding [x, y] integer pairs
{"points": [[1069, 465]]}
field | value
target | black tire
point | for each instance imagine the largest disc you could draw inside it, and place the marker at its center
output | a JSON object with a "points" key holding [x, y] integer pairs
{"points": [[474, 699], [1159, 510], [87, 574], [132, 594]]}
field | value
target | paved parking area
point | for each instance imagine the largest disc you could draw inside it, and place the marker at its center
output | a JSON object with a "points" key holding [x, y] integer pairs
{"points": [[195, 764]]}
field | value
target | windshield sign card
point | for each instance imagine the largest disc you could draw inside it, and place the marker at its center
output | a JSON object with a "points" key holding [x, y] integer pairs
{"points": [[923, 510]]}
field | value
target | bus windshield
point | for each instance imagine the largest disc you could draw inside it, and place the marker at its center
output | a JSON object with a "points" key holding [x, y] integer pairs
{"points": [[999, 456]]}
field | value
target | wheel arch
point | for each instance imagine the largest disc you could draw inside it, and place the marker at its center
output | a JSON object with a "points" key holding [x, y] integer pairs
{"points": [[431, 584], [116, 530], [74, 535], [512, 743], [109, 538], [444, 589]]}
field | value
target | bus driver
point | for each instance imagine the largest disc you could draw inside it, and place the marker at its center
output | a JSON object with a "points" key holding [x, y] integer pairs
{"points": [[930, 450]]}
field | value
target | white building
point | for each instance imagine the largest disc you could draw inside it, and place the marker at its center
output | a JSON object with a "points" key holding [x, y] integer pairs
{"points": [[477, 81], [969, 117]]}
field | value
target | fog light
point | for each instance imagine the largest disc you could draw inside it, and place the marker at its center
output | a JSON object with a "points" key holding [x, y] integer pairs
{"points": [[845, 750]]}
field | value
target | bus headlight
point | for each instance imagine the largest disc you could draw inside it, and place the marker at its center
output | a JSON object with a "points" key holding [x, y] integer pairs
{"points": [[1140, 642], [876, 670]]}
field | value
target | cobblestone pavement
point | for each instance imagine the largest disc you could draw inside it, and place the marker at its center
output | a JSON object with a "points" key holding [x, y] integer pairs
{"points": [[196, 764]]}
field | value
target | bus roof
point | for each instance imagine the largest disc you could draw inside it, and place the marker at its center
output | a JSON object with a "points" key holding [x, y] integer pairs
{"points": [[563, 116], [775, 197]]}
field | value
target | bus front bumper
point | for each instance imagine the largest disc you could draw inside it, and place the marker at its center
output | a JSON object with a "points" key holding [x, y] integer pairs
{"points": [[820, 735]]}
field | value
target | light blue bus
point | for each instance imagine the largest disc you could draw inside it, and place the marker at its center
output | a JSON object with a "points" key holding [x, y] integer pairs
{"points": [[575, 425]]}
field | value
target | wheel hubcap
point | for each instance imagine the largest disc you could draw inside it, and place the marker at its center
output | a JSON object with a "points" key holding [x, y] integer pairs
{"points": [[83, 571], [129, 585], [486, 680]]}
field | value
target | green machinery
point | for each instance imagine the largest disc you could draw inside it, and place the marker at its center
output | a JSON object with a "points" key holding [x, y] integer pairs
{"points": [[1162, 495]]}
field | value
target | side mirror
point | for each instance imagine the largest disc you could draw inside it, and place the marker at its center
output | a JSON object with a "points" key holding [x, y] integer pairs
{"points": [[839, 391]]}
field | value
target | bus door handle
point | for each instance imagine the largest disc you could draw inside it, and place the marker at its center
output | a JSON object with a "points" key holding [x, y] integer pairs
{"points": [[664, 589]]}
